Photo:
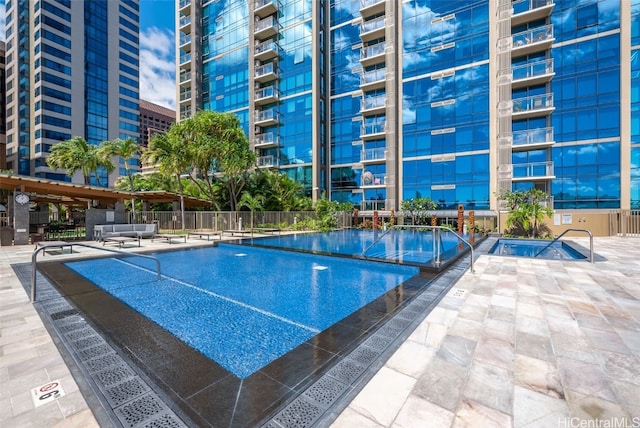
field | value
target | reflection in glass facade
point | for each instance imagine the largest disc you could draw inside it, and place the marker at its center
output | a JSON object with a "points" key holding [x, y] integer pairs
{"points": [[380, 101], [73, 72]]}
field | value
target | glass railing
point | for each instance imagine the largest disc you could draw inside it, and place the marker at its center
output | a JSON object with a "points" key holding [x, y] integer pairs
{"points": [[265, 69], [185, 77], [368, 103], [185, 58], [527, 5], [266, 161], [533, 69], [262, 3], [372, 205], [373, 76], [186, 20], [263, 115], [532, 103], [372, 25], [368, 3], [369, 179], [184, 3], [379, 153], [534, 35], [373, 50], [265, 46], [185, 95], [533, 136], [266, 92], [184, 40], [264, 24], [268, 138], [533, 169], [372, 128]]}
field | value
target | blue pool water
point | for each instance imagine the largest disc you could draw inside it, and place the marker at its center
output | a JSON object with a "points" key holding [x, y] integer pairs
{"points": [[407, 246], [244, 307], [535, 248]]}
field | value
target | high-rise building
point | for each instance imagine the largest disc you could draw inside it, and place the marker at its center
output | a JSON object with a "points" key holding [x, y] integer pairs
{"points": [[72, 70], [154, 119], [3, 103], [379, 101]]}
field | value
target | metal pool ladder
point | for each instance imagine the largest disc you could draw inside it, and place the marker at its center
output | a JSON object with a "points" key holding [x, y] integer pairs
{"points": [[571, 230], [436, 239], [34, 262]]}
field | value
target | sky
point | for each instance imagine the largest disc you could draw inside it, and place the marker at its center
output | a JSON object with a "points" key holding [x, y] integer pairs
{"points": [[157, 50]]}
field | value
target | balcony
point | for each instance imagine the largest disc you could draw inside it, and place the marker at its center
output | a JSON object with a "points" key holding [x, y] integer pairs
{"points": [[530, 10], [533, 106], [370, 130], [372, 29], [185, 78], [185, 58], [378, 155], [372, 205], [373, 105], [371, 7], [373, 180], [184, 96], [266, 140], [266, 95], [266, 73], [530, 74], [266, 117], [266, 28], [185, 24], [372, 54], [266, 50], [185, 42], [533, 171], [265, 8], [184, 7], [529, 139], [266, 161], [533, 40], [374, 79]]}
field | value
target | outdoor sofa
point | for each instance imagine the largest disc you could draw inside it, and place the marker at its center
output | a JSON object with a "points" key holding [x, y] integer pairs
{"points": [[101, 231]]}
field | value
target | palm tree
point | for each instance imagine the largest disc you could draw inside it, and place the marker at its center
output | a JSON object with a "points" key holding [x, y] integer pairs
{"points": [[125, 149], [76, 154], [254, 203], [168, 151]]}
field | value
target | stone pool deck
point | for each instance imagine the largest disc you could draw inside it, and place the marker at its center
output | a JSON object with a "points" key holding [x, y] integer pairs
{"points": [[519, 343]]}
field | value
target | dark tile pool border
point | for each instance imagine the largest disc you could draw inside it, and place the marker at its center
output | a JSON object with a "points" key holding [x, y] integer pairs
{"points": [[302, 388]]}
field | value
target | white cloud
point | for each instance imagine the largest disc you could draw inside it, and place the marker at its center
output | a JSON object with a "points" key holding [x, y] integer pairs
{"points": [[2, 23], [158, 67]]}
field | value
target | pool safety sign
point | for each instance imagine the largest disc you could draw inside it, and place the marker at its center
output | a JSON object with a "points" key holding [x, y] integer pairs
{"points": [[48, 392]]}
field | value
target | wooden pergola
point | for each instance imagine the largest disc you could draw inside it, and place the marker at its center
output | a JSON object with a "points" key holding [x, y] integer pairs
{"points": [[78, 195]]}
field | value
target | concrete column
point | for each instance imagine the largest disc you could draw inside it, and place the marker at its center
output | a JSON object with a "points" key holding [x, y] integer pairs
{"points": [[20, 218]]}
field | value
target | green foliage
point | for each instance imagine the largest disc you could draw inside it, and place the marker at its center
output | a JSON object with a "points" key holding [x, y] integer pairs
{"points": [[254, 203], [76, 154], [526, 212], [418, 209]]}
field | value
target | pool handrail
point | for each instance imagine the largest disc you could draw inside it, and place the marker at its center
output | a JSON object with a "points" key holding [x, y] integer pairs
{"points": [[413, 226], [571, 230], [37, 250]]}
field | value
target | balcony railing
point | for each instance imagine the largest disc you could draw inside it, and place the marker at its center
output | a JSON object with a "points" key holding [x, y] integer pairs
{"points": [[266, 27], [533, 69], [369, 3], [533, 36], [372, 205], [533, 137], [372, 51], [533, 170], [184, 3], [369, 103], [185, 20], [369, 179], [372, 25], [185, 95], [266, 161], [532, 103], [373, 76], [269, 139], [185, 58], [529, 5], [185, 77], [372, 128], [267, 92], [265, 47], [266, 115], [372, 155], [185, 39], [265, 69]]}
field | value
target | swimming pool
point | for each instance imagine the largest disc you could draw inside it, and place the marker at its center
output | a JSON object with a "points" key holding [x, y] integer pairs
{"points": [[536, 248], [244, 307], [402, 246]]}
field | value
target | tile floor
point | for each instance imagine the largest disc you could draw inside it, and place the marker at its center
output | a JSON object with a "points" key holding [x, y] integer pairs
{"points": [[518, 343]]}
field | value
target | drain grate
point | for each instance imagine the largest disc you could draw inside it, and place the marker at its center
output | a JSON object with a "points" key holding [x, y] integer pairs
{"points": [[114, 375], [63, 314], [299, 414], [325, 391], [125, 391], [141, 411]]}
